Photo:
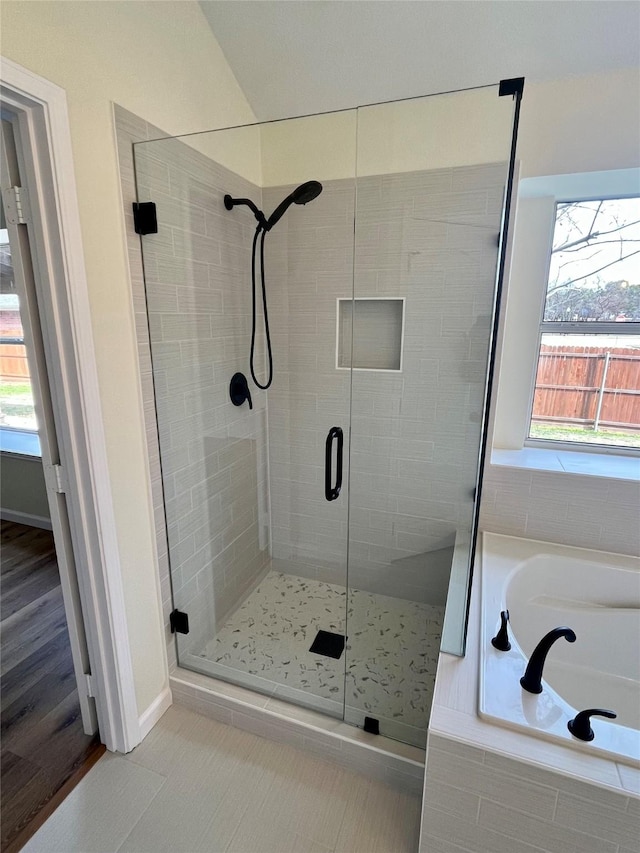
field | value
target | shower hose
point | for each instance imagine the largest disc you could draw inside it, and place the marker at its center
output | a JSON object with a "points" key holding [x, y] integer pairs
{"points": [[259, 235]]}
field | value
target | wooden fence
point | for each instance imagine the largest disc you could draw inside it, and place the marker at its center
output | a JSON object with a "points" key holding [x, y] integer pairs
{"points": [[13, 362], [594, 386]]}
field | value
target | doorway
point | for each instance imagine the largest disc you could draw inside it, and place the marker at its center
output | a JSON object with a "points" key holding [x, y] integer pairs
{"points": [[49, 721]]}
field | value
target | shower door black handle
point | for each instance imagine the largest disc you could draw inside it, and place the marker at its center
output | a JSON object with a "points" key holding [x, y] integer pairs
{"points": [[332, 492]]}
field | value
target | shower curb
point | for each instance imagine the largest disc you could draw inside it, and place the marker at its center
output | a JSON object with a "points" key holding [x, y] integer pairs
{"points": [[375, 756]]}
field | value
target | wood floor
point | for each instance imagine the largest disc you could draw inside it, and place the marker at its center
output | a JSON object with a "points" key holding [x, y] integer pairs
{"points": [[43, 748]]}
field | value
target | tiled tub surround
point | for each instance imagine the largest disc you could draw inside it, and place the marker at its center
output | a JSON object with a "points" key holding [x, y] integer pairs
{"points": [[489, 789], [567, 507], [386, 670]]}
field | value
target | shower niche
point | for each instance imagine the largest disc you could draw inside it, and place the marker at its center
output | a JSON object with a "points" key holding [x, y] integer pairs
{"points": [[353, 292], [370, 334]]}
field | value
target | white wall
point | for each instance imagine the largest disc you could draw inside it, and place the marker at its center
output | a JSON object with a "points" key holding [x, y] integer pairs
{"points": [[161, 61], [23, 489], [580, 124], [438, 132], [529, 267]]}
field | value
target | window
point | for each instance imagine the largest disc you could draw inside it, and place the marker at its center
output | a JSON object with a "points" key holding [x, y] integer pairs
{"points": [[16, 398], [587, 387]]}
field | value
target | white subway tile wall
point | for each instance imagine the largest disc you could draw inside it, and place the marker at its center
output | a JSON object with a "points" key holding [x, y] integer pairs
{"points": [[570, 509], [476, 800], [414, 434], [213, 454], [309, 264]]}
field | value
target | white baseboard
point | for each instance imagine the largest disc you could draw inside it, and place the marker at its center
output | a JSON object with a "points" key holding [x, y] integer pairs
{"points": [[25, 518], [156, 709]]}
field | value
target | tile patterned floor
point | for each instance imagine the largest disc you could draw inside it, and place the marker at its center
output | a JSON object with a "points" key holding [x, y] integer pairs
{"points": [[387, 670], [195, 784]]}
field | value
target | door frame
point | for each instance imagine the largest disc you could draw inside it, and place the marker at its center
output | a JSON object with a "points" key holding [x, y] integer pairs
{"points": [[43, 122], [19, 224]]}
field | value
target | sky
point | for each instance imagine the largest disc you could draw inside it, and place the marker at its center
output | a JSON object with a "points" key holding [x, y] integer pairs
{"points": [[585, 259]]}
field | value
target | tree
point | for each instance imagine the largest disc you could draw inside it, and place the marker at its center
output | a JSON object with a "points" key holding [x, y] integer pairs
{"points": [[593, 241], [611, 301]]}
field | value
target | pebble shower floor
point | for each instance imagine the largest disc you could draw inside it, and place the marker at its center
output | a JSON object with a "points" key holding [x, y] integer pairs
{"points": [[391, 650]]}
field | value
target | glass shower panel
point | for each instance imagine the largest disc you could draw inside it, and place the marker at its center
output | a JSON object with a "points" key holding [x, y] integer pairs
{"points": [[430, 189], [257, 552]]}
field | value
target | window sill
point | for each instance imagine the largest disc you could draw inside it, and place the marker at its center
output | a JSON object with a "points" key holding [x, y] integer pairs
{"points": [[607, 466], [18, 443]]}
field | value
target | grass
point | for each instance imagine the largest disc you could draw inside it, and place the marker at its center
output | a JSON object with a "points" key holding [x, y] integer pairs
{"points": [[15, 389], [561, 432], [16, 404]]}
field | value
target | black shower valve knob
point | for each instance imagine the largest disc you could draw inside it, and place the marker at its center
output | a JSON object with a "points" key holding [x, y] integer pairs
{"points": [[239, 390]]}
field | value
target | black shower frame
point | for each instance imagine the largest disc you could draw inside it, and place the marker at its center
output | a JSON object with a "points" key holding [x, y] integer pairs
{"points": [[514, 87]]}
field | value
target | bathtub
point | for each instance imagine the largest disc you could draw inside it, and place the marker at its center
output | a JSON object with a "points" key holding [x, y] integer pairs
{"points": [[544, 586]]}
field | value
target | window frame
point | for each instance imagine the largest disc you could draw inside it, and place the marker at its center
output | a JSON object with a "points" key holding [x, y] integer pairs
{"points": [[9, 447], [575, 327]]}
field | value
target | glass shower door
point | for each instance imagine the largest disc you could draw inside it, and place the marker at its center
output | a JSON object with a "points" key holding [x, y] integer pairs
{"points": [[321, 513], [430, 189], [256, 515]]}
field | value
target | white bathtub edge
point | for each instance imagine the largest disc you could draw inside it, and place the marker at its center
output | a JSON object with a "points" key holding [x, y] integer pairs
{"points": [[455, 716]]}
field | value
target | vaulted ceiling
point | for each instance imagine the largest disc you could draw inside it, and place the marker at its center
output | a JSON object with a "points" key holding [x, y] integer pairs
{"points": [[307, 56]]}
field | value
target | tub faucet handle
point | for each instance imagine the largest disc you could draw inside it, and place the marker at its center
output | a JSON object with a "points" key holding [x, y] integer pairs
{"points": [[501, 639], [580, 726]]}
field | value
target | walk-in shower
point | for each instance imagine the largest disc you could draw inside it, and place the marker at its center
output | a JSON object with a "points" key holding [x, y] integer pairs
{"points": [[316, 532]]}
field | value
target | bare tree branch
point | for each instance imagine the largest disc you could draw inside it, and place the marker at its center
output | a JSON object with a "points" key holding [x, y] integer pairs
{"points": [[591, 236], [593, 272], [604, 243]]}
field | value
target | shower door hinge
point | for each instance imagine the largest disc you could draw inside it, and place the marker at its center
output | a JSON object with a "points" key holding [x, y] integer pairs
{"points": [[56, 478], [179, 622], [513, 86], [145, 220], [16, 203], [371, 725], [89, 685]]}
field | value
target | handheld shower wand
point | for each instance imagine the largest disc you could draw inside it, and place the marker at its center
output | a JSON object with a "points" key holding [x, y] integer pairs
{"points": [[301, 195]]}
